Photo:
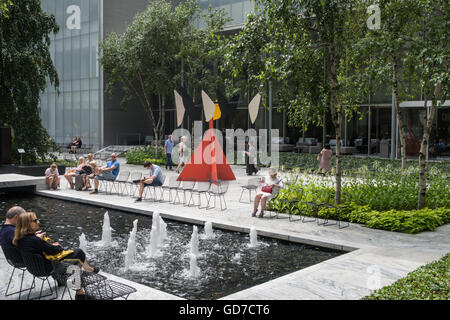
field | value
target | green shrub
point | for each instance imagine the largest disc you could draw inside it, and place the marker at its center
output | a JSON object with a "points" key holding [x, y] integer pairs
{"points": [[140, 154], [429, 282]]}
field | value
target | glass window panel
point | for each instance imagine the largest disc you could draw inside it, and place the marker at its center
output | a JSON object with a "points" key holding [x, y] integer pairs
{"points": [[43, 105], [85, 56], [67, 86], [76, 58], [236, 12], [93, 14], [76, 84], [52, 114], [67, 130], [85, 117], [84, 84], [66, 59], [93, 84], [76, 112], [93, 55], [94, 117], [59, 116]]}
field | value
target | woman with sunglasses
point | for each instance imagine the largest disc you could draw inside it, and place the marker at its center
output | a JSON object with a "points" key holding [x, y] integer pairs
{"points": [[28, 239]]}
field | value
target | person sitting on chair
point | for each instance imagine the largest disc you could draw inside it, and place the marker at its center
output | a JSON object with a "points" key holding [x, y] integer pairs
{"points": [[270, 186], [7, 230], [76, 144], [154, 179], [74, 172], [108, 172], [29, 239]]}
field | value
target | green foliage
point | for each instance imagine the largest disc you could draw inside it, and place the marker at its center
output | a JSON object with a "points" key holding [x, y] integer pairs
{"points": [[429, 282], [140, 154], [144, 64], [375, 192], [25, 67]]}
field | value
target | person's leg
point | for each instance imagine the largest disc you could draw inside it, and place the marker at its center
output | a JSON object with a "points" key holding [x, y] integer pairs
{"points": [[96, 178], [263, 204], [141, 189], [169, 158], [69, 179], [49, 182], [256, 203], [57, 182]]}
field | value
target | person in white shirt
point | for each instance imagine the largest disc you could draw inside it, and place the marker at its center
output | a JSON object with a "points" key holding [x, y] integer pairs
{"points": [[52, 177], [270, 186]]}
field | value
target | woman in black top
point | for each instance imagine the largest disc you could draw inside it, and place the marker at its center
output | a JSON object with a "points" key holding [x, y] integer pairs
{"points": [[28, 239]]}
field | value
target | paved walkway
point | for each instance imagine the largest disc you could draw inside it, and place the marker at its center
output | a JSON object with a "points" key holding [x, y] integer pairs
{"points": [[375, 258]]}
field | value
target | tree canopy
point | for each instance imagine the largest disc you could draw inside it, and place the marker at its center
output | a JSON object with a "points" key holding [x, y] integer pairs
{"points": [[144, 63], [25, 66]]}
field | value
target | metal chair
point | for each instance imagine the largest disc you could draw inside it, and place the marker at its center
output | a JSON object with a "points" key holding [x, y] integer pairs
{"points": [[163, 180], [337, 211], [87, 278], [121, 179], [14, 258], [109, 290], [315, 206], [202, 188], [173, 185], [252, 185], [187, 186], [36, 265], [132, 186], [218, 189]]}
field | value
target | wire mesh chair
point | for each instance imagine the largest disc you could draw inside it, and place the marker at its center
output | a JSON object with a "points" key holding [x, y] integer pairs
{"points": [[187, 186], [173, 185], [121, 180], [202, 188], [252, 185], [133, 182], [14, 258], [36, 265], [218, 189]]}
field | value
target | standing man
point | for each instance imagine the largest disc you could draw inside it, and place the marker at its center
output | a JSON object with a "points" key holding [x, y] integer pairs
{"points": [[155, 178], [168, 147], [7, 230], [108, 172]]}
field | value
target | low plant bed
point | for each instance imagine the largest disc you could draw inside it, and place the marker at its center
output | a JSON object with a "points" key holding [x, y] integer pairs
{"points": [[141, 154], [429, 282]]}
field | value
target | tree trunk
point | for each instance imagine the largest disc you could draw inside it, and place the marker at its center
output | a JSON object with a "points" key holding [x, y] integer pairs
{"points": [[399, 114], [428, 123], [422, 158], [336, 117]]}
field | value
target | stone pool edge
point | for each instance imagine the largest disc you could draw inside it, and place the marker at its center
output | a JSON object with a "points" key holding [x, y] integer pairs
{"points": [[277, 286]]}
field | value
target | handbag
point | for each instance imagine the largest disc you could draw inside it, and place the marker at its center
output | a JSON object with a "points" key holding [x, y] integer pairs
{"points": [[267, 189]]}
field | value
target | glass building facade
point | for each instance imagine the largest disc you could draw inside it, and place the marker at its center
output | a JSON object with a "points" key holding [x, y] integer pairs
{"points": [[76, 110]]}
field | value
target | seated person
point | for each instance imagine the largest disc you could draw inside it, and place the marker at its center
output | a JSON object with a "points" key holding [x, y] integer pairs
{"points": [[77, 143], [73, 172], [52, 177], [7, 230], [108, 172], [73, 143], [154, 178], [28, 239], [89, 172], [270, 186]]}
